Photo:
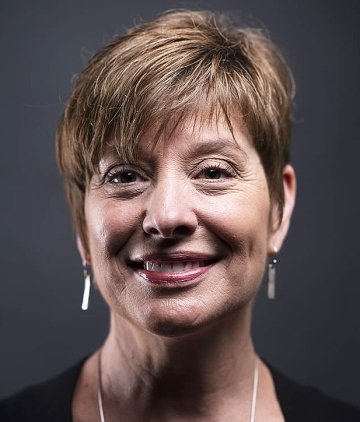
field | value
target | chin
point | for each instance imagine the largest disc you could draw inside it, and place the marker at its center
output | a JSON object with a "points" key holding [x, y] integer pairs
{"points": [[173, 318]]}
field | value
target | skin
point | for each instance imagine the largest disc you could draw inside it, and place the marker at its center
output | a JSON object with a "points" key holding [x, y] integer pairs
{"points": [[181, 351]]}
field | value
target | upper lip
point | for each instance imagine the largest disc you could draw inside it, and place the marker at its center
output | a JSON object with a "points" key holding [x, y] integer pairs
{"points": [[185, 256]]}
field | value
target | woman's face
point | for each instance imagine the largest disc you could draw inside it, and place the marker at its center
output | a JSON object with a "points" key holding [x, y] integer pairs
{"points": [[181, 239]]}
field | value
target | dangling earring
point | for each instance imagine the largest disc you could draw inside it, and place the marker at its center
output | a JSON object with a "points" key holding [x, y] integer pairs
{"points": [[87, 285], [272, 274]]}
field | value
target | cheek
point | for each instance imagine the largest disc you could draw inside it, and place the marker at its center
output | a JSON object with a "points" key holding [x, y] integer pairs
{"points": [[241, 221], [110, 223], [242, 224]]}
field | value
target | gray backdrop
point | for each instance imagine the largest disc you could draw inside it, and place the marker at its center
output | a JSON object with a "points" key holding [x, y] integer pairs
{"points": [[311, 332]]}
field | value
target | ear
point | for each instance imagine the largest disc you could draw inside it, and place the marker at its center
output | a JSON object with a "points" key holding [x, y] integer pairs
{"points": [[279, 229], [85, 255]]}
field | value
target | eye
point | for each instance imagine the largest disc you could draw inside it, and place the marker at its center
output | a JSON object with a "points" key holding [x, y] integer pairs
{"points": [[124, 181], [126, 176], [122, 176], [216, 171], [213, 173]]}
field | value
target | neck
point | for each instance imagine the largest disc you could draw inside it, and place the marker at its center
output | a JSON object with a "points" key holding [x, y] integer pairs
{"points": [[207, 369]]}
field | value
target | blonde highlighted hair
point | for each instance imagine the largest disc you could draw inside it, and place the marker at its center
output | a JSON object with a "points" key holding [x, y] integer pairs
{"points": [[162, 69]]}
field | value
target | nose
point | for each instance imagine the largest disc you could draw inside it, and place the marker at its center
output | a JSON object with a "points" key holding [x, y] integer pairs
{"points": [[169, 211]]}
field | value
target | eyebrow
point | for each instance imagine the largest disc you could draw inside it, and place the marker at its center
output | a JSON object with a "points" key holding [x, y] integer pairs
{"points": [[209, 146]]}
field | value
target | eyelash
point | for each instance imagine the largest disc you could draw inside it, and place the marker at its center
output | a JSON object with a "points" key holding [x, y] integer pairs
{"points": [[227, 170], [117, 173]]}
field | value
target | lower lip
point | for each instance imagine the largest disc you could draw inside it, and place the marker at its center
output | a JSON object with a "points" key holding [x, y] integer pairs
{"points": [[171, 278]]}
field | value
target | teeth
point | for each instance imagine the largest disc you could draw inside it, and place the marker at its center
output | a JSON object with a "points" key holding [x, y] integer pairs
{"points": [[176, 266], [165, 267], [188, 266]]}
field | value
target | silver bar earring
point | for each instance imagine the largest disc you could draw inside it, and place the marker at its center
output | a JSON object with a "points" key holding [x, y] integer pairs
{"points": [[87, 285], [271, 278], [272, 275]]}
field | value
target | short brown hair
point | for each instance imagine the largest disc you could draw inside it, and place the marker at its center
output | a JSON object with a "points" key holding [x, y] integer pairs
{"points": [[160, 69]]}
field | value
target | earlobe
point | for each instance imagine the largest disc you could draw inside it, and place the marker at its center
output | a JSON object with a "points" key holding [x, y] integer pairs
{"points": [[280, 231]]}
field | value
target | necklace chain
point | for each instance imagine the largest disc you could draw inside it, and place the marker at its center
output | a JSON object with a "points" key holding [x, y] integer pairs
{"points": [[99, 391], [253, 399]]}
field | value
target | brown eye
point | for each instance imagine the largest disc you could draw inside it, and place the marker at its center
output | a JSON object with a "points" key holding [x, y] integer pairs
{"points": [[216, 172], [124, 177], [213, 173]]}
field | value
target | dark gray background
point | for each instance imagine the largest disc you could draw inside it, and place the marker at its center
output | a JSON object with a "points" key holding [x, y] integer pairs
{"points": [[311, 332]]}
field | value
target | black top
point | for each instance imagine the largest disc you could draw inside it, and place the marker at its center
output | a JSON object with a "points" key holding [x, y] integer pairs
{"points": [[51, 401]]}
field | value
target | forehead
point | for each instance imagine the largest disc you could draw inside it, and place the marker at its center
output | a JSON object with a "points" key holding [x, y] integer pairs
{"points": [[201, 131]]}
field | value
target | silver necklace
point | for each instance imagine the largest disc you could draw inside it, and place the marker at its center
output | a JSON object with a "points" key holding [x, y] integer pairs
{"points": [[253, 399]]}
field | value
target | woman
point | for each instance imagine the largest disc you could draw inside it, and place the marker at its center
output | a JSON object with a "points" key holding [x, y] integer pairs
{"points": [[174, 148]]}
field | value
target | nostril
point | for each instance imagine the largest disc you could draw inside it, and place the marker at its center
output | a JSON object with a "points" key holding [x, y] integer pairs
{"points": [[169, 232], [153, 230], [182, 231]]}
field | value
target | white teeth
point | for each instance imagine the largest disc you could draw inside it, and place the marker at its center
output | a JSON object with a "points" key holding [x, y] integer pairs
{"points": [[152, 266], [175, 266]]}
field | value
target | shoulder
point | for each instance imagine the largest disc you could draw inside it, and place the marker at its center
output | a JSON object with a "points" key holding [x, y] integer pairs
{"points": [[303, 403], [45, 402]]}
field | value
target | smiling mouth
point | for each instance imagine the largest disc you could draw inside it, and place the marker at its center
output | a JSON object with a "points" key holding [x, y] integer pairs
{"points": [[174, 267], [172, 272]]}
